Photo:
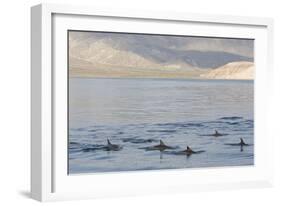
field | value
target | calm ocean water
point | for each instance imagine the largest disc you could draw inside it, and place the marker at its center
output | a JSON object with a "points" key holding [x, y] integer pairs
{"points": [[137, 113]]}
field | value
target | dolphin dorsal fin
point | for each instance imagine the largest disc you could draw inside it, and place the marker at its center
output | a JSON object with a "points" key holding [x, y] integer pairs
{"points": [[108, 142], [161, 142], [242, 141]]}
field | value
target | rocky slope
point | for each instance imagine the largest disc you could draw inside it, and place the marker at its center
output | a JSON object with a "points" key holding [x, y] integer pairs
{"points": [[100, 54], [234, 70], [158, 49]]}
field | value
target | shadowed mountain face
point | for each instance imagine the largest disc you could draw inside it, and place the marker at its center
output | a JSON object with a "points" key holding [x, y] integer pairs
{"points": [[116, 50], [182, 50]]}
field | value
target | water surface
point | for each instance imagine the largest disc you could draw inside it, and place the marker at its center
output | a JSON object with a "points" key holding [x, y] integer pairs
{"points": [[137, 113]]}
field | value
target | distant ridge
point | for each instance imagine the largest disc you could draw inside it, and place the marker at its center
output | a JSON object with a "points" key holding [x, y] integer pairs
{"points": [[233, 70], [92, 51]]}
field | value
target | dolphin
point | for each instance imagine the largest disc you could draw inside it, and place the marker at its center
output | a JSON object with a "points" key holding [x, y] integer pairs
{"points": [[241, 143], [217, 134], [189, 151], [161, 147], [112, 147]]}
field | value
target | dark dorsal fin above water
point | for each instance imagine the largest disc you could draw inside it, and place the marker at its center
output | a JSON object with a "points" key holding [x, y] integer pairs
{"points": [[188, 149], [108, 142], [162, 143], [242, 142]]}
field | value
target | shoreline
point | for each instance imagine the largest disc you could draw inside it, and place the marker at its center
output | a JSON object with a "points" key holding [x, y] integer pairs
{"points": [[159, 78]]}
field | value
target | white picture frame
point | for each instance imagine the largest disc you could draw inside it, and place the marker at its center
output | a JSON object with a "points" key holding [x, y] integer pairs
{"points": [[49, 178]]}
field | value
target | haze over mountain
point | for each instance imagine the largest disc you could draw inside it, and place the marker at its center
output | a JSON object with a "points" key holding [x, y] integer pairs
{"points": [[115, 54]]}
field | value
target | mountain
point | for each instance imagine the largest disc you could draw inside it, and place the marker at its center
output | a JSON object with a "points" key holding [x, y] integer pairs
{"points": [[233, 70], [97, 52]]}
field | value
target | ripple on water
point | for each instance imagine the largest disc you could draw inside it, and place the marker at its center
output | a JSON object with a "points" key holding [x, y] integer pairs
{"points": [[231, 118], [84, 143], [160, 131]]}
